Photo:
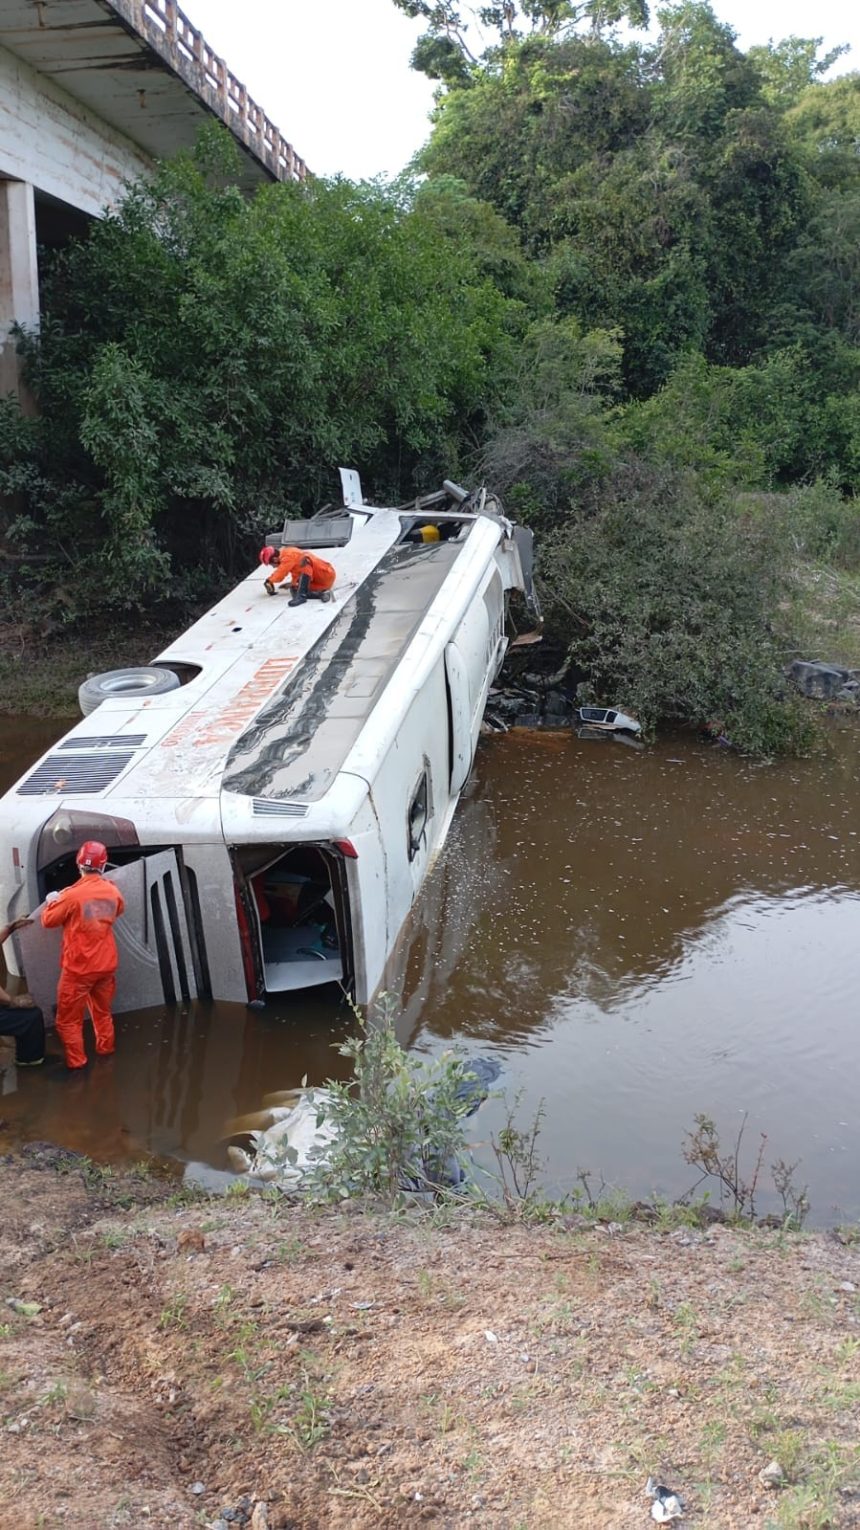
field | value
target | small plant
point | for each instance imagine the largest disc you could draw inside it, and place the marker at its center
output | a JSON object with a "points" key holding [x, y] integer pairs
{"points": [[814, 1504], [787, 1446], [704, 1151], [517, 1157], [399, 1125], [795, 1201], [712, 1441], [311, 1422], [173, 1314], [738, 1187], [686, 1322], [224, 1301], [96, 1176], [289, 1249]]}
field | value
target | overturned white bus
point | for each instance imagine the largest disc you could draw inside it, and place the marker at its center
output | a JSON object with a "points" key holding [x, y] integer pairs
{"points": [[274, 787]]}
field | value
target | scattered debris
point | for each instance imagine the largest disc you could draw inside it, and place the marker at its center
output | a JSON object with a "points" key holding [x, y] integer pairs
{"points": [[666, 1505], [772, 1475], [191, 1241]]}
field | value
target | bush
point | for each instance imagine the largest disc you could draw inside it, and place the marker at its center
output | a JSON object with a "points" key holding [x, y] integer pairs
{"points": [[206, 362], [399, 1123], [818, 522], [667, 599]]}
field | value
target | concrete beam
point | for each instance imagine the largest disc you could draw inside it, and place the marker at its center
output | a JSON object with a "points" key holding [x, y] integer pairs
{"points": [[49, 140], [19, 280]]}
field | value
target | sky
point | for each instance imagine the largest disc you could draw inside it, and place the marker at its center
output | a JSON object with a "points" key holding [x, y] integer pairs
{"points": [[334, 75]]}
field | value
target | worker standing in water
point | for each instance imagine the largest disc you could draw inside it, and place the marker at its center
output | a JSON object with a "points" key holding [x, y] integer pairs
{"points": [[311, 577], [87, 912], [20, 1017]]}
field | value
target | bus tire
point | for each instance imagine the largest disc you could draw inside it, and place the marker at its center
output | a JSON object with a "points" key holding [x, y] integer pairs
{"points": [[148, 680]]}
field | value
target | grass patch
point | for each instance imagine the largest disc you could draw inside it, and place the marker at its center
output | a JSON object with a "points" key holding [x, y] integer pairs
{"points": [[830, 613], [41, 676]]}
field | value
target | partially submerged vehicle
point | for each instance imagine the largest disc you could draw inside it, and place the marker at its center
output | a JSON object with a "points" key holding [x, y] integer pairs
{"points": [[607, 720], [274, 787]]}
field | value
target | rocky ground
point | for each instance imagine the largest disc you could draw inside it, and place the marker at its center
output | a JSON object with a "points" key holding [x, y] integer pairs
{"points": [[176, 1361]]}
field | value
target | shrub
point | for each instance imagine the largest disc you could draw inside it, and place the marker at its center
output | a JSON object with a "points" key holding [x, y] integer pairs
{"points": [[399, 1123], [667, 599]]}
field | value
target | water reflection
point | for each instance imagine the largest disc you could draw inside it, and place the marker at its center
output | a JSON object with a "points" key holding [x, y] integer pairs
{"points": [[178, 1075], [585, 872], [645, 936]]}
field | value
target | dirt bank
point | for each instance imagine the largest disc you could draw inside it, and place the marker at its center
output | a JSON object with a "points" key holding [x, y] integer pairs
{"points": [[166, 1358]]}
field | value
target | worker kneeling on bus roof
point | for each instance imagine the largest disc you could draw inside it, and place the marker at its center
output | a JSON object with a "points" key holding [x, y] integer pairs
{"points": [[311, 577], [87, 912]]}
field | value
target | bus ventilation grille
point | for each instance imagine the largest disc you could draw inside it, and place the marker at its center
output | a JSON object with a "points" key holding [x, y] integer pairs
{"points": [[106, 741], [72, 775], [270, 807]]}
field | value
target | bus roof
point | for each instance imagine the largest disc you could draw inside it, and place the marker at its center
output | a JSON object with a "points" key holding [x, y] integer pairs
{"points": [[281, 695]]}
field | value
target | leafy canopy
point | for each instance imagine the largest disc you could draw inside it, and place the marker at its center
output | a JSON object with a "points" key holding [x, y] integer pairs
{"points": [[460, 38], [205, 362]]}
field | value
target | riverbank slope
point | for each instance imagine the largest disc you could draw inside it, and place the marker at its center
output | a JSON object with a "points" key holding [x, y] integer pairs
{"points": [[166, 1357]]}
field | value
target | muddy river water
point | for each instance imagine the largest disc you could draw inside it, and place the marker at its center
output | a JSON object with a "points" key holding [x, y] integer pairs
{"points": [[636, 937]]}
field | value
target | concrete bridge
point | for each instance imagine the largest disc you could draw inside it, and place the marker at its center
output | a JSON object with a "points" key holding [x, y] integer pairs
{"points": [[92, 92]]}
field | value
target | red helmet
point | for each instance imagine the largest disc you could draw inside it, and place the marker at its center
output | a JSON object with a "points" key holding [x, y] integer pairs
{"points": [[268, 555], [92, 856]]}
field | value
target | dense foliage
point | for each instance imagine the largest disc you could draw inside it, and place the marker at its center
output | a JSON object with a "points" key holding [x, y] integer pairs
{"points": [[206, 361], [625, 287]]}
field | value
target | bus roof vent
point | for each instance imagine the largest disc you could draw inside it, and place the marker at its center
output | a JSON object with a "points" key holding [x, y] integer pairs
{"points": [[74, 775], [271, 807], [106, 741]]}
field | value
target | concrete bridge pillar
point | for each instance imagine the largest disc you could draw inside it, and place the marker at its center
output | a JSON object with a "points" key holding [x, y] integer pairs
{"points": [[19, 280]]}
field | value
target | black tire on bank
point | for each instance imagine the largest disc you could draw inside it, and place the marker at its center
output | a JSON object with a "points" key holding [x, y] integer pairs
{"points": [[148, 680]]}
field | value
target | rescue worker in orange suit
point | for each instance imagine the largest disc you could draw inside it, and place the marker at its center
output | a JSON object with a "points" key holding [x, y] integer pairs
{"points": [[87, 912], [311, 577]]}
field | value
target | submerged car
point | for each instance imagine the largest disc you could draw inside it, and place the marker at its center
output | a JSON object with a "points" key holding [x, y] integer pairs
{"points": [[607, 719]]}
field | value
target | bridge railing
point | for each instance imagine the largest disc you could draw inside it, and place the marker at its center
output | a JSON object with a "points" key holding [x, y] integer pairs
{"points": [[167, 29]]}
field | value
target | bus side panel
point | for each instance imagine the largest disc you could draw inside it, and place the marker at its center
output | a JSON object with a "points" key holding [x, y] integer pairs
{"points": [[416, 769], [367, 890], [477, 642]]}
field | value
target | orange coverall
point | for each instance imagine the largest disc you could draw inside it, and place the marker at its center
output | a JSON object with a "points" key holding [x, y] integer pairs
{"points": [[86, 911], [292, 563]]}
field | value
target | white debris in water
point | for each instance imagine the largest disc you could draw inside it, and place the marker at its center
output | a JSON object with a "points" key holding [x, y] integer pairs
{"points": [[295, 1143]]}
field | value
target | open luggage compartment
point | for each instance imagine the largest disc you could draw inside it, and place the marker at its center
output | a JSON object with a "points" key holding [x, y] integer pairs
{"points": [[298, 897]]}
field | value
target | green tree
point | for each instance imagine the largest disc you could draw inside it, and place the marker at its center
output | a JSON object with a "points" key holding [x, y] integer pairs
{"points": [[206, 361], [665, 597], [789, 67], [550, 436], [459, 38]]}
